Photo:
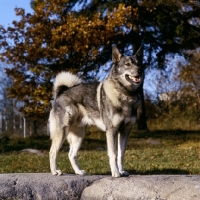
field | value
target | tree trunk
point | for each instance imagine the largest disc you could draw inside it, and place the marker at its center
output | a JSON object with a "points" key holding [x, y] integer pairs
{"points": [[141, 113]]}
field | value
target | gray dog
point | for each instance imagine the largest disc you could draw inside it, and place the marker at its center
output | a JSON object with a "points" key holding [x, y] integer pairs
{"points": [[111, 105]]}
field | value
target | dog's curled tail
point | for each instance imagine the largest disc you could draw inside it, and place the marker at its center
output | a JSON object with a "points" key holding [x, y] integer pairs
{"points": [[64, 79]]}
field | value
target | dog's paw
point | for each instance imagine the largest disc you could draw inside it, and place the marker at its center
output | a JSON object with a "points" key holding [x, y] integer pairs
{"points": [[124, 173], [116, 174], [57, 172], [81, 172]]}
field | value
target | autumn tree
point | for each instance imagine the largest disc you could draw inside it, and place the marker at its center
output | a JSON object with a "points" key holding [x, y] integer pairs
{"points": [[52, 39]]}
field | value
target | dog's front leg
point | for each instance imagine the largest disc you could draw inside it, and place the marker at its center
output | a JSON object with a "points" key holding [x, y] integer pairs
{"points": [[111, 143], [122, 141]]}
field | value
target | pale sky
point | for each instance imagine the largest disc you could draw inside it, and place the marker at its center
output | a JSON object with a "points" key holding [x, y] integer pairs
{"points": [[7, 13]]}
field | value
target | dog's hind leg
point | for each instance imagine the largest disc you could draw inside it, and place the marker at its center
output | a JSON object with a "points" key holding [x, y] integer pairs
{"points": [[75, 138], [57, 140]]}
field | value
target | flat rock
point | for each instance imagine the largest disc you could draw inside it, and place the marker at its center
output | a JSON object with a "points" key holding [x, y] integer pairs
{"points": [[159, 187], [35, 151], [45, 186]]}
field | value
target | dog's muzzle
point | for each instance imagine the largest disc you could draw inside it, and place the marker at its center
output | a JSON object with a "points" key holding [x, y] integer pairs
{"points": [[133, 79]]}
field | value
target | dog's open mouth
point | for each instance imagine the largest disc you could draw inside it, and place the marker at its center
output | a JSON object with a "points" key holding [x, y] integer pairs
{"points": [[133, 79]]}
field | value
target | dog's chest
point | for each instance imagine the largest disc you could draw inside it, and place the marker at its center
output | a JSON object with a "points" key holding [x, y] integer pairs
{"points": [[118, 98], [129, 101], [128, 106]]}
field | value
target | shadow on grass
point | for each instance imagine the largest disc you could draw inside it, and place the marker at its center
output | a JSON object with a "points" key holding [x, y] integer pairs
{"points": [[159, 172], [97, 140], [17, 144], [163, 133], [154, 172]]}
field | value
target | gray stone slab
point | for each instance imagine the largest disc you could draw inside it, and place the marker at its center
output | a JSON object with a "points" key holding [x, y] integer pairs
{"points": [[159, 187], [44, 186]]}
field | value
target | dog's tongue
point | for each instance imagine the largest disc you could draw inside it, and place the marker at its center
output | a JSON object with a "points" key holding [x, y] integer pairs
{"points": [[135, 78]]}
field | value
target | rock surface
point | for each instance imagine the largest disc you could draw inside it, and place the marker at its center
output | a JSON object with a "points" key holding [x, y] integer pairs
{"points": [[158, 187], [45, 186]]}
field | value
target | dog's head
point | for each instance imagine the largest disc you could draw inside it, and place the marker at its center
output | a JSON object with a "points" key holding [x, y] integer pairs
{"points": [[127, 70]]}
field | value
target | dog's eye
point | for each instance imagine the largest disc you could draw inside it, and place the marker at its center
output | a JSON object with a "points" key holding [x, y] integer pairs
{"points": [[128, 64]]}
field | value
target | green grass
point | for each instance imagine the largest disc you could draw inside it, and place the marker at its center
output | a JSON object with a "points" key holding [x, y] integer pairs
{"points": [[155, 152]]}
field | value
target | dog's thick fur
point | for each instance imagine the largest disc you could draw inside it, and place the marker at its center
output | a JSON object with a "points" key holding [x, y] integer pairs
{"points": [[111, 105]]}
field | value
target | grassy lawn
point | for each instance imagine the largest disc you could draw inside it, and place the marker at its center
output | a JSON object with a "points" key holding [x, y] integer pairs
{"points": [[155, 152]]}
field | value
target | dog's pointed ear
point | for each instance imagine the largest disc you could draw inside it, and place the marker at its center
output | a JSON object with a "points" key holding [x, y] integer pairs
{"points": [[137, 56], [116, 55]]}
